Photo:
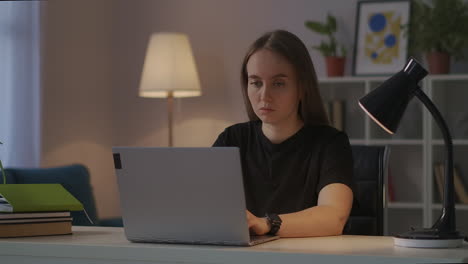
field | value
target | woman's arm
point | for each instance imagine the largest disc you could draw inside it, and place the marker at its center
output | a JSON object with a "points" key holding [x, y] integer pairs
{"points": [[326, 219]]}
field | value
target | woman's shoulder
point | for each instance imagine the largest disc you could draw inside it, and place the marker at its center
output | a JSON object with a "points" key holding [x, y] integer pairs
{"points": [[241, 128], [237, 134], [326, 139]]}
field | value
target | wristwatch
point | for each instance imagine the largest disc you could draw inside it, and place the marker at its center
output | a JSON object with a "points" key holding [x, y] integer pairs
{"points": [[274, 221]]}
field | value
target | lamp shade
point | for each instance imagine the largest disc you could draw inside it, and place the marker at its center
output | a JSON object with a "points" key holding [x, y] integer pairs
{"points": [[387, 103], [169, 67]]}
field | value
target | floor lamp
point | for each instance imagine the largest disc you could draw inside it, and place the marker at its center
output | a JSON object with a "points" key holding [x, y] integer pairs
{"points": [[169, 71], [386, 105]]}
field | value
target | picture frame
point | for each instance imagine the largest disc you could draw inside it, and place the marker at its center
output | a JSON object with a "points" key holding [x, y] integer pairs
{"points": [[380, 43]]}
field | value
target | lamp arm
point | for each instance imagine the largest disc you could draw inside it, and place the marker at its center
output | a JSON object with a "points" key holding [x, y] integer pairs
{"points": [[446, 222]]}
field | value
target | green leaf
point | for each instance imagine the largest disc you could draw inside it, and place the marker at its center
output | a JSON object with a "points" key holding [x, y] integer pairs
{"points": [[317, 27], [3, 172], [1, 168], [332, 46], [343, 51], [331, 23], [325, 48]]}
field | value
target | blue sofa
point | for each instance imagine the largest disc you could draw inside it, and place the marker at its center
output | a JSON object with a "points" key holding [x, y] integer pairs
{"points": [[75, 178]]}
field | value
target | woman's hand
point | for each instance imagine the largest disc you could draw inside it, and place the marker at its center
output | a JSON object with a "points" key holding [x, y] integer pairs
{"points": [[257, 225]]}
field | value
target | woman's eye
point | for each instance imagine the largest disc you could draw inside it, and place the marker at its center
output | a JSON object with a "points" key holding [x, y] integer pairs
{"points": [[278, 84], [256, 83]]}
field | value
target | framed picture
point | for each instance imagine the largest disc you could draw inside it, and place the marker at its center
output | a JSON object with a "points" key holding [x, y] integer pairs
{"points": [[380, 44]]}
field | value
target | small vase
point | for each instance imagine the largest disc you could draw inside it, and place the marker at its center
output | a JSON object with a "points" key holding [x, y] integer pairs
{"points": [[439, 62], [335, 66]]}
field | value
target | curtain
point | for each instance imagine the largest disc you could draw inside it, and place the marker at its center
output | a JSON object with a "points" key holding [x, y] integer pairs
{"points": [[20, 83]]}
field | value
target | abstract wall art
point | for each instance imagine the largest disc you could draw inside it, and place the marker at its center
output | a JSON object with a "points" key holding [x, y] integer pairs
{"points": [[381, 44]]}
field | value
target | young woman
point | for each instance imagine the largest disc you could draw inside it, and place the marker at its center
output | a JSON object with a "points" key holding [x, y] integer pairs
{"points": [[297, 169]]}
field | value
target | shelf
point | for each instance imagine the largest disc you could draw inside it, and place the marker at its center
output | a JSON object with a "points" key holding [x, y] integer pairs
{"points": [[358, 141], [371, 142], [458, 207], [347, 79], [410, 142], [403, 205], [415, 148], [448, 77], [440, 142]]}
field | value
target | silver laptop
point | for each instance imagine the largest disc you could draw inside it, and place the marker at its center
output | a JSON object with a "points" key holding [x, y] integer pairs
{"points": [[183, 195]]}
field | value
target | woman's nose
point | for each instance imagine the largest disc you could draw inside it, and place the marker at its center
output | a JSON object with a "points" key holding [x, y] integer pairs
{"points": [[265, 93]]}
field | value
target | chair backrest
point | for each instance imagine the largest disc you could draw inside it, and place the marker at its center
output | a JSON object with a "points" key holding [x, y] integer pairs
{"points": [[75, 178], [370, 168]]}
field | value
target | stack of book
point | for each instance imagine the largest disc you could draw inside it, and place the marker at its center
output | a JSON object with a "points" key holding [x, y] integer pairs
{"points": [[35, 224], [36, 210]]}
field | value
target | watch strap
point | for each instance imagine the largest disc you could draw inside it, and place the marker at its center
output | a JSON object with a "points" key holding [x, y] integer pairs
{"points": [[275, 223]]}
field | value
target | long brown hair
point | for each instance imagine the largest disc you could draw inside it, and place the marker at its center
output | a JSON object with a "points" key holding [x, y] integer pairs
{"points": [[311, 109]]}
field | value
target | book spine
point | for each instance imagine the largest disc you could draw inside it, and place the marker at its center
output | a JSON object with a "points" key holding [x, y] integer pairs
{"points": [[336, 114], [391, 189], [35, 229], [460, 187], [439, 183]]}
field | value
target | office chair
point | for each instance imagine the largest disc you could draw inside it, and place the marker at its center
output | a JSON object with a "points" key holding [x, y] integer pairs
{"points": [[370, 168], [74, 178]]}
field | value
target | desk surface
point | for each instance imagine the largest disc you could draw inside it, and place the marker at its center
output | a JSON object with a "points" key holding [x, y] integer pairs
{"points": [[99, 245]]}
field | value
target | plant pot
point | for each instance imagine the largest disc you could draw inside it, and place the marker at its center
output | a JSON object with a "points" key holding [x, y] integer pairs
{"points": [[335, 66], [439, 62]]}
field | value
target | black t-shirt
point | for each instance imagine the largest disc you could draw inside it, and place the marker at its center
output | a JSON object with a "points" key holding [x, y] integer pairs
{"points": [[287, 177]]}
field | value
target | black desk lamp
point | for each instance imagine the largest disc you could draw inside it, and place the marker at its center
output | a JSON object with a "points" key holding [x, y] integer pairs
{"points": [[386, 105]]}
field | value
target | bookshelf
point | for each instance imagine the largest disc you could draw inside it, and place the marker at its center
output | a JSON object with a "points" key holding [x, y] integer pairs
{"points": [[415, 148]]}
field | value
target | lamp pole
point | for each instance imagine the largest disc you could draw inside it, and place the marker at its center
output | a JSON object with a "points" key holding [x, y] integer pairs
{"points": [[446, 221], [170, 107]]}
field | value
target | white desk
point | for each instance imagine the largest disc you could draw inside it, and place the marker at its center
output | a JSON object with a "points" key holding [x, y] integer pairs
{"points": [[102, 245]]}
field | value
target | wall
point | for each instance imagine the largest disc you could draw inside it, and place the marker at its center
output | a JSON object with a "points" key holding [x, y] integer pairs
{"points": [[77, 95]]}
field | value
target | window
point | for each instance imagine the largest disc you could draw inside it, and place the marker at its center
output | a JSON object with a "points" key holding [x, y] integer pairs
{"points": [[20, 83]]}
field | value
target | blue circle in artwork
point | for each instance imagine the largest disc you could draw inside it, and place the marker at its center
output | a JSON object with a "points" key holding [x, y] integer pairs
{"points": [[374, 55], [377, 22], [390, 40]]}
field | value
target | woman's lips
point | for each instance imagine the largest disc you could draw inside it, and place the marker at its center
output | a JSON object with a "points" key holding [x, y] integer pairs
{"points": [[266, 110]]}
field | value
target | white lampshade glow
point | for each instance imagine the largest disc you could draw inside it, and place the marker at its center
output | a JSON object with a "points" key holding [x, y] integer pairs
{"points": [[169, 68]]}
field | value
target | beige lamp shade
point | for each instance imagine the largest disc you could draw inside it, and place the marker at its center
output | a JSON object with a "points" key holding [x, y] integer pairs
{"points": [[169, 68]]}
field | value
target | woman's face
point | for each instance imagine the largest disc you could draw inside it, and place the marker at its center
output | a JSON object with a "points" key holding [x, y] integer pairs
{"points": [[272, 88]]}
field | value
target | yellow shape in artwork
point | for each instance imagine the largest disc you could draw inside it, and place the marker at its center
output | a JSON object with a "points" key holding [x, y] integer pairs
{"points": [[382, 43]]}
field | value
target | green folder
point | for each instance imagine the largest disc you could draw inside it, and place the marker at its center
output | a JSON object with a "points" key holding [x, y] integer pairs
{"points": [[37, 198]]}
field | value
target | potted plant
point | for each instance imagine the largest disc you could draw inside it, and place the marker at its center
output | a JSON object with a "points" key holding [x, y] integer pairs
{"points": [[439, 31], [335, 60]]}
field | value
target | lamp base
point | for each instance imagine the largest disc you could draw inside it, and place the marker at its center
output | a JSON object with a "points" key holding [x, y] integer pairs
{"points": [[428, 238]]}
